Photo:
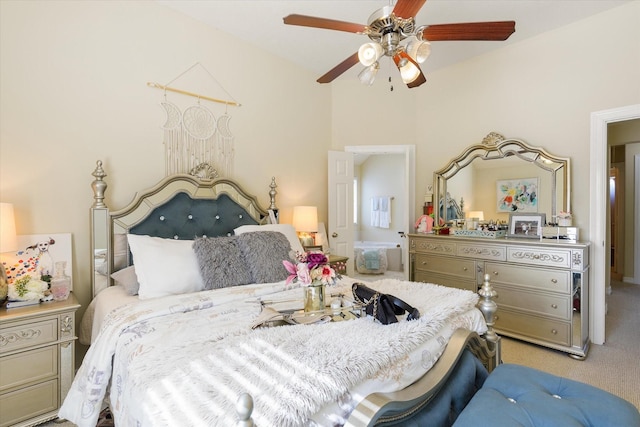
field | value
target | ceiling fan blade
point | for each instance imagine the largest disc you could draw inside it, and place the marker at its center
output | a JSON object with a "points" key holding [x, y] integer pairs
{"points": [[339, 69], [328, 24], [495, 31], [408, 8]]}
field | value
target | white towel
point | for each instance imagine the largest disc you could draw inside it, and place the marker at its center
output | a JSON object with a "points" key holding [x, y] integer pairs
{"points": [[385, 212], [375, 212]]}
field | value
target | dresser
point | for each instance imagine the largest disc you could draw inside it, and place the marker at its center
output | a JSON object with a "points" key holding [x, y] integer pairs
{"points": [[542, 286], [37, 346]]}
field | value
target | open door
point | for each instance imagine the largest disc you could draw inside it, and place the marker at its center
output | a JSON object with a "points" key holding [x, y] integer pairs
{"points": [[340, 204]]}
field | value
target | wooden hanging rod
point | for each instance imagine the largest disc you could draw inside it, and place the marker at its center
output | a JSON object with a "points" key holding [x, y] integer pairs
{"points": [[195, 95]]}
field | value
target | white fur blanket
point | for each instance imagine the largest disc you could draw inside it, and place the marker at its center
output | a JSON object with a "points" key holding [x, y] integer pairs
{"points": [[187, 359]]}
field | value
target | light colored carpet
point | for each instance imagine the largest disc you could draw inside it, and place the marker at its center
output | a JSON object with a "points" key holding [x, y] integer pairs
{"points": [[613, 367]]}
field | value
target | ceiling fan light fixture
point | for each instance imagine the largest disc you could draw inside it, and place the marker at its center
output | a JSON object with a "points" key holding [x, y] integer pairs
{"points": [[409, 70], [369, 53], [368, 74], [419, 50]]}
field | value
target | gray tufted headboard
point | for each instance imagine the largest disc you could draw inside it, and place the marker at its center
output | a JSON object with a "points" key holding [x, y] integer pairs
{"points": [[180, 206]]}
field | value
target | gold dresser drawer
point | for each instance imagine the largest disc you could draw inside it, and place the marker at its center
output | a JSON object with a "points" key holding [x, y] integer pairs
{"points": [[445, 265], [430, 246], [541, 329], [560, 258], [28, 335], [451, 281], [480, 251], [558, 306], [29, 402], [30, 366], [535, 278]]}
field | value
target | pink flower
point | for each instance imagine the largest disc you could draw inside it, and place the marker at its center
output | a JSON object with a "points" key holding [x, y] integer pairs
{"points": [[311, 269]]}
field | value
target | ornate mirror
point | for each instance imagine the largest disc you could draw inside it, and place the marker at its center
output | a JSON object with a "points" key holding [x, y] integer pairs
{"points": [[501, 176]]}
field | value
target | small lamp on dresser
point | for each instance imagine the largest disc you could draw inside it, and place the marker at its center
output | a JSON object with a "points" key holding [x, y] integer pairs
{"points": [[305, 221], [8, 242]]}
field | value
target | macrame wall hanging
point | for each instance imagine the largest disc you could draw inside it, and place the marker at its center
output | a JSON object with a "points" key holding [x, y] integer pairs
{"points": [[195, 141]]}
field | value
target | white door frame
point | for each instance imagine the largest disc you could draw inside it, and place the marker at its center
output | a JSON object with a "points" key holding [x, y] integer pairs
{"points": [[409, 152], [599, 281]]}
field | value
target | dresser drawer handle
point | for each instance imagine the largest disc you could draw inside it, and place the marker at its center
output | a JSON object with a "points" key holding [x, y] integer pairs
{"points": [[495, 273], [424, 263], [554, 305], [464, 268], [554, 280], [554, 332]]}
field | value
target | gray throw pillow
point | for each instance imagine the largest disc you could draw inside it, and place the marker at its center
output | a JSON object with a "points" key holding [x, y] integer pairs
{"points": [[263, 252], [221, 262]]}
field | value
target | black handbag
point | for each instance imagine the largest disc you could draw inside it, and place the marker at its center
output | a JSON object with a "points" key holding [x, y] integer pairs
{"points": [[383, 307]]}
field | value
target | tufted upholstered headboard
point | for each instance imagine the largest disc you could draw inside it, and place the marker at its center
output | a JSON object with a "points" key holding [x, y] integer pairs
{"points": [[180, 207]]}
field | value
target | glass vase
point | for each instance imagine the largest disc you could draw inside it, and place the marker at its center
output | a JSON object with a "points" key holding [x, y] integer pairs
{"points": [[60, 282], [314, 298]]}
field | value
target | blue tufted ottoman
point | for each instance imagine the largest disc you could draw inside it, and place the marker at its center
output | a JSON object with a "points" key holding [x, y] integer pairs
{"points": [[516, 395]]}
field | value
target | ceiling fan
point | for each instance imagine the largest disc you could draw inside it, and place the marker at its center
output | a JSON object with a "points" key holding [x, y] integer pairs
{"points": [[388, 28]]}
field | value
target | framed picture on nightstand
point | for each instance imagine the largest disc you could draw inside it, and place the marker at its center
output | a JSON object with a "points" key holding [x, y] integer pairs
{"points": [[37, 256]]}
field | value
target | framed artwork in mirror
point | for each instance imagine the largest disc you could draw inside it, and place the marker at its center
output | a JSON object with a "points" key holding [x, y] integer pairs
{"points": [[526, 225], [517, 195]]}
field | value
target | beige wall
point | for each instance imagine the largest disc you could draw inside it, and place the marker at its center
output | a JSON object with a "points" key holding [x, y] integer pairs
{"points": [[541, 90], [73, 90]]}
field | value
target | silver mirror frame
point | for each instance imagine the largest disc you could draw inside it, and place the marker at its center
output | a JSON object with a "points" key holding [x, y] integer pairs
{"points": [[496, 146]]}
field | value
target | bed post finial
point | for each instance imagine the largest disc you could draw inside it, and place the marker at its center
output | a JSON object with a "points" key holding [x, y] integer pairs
{"points": [[272, 194], [488, 307], [99, 186], [244, 408]]}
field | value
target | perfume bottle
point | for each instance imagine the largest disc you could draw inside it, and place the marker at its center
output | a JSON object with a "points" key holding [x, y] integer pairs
{"points": [[60, 282]]}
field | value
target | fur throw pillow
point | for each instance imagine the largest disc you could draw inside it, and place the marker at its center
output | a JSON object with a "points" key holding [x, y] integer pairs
{"points": [[263, 252], [221, 262]]}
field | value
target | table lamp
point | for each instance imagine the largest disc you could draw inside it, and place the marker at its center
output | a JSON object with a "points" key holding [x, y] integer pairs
{"points": [[305, 221]]}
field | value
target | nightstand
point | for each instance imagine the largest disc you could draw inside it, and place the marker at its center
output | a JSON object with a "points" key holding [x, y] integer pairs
{"points": [[37, 347], [339, 263]]}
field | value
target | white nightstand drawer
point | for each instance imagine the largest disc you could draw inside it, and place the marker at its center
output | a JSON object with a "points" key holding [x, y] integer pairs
{"points": [[28, 403], [28, 335], [27, 367]]}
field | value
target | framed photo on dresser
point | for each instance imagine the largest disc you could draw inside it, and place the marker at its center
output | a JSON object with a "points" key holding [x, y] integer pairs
{"points": [[526, 225]]}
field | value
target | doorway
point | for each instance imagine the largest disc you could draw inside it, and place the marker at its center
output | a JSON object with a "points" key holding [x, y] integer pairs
{"points": [[404, 195], [599, 234]]}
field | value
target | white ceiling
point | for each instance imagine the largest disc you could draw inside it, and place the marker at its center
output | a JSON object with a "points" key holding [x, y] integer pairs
{"points": [[259, 22]]}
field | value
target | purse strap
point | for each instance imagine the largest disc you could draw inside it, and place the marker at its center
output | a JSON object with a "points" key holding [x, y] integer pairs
{"points": [[414, 313]]}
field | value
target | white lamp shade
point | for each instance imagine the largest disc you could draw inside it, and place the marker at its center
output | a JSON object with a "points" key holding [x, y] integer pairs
{"points": [[409, 70], [419, 50], [368, 74], [369, 53], [8, 241], [476, 214], [305, 219]]}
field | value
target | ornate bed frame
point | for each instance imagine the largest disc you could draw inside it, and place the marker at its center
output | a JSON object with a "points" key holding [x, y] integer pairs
{"points": [[183, 206]]}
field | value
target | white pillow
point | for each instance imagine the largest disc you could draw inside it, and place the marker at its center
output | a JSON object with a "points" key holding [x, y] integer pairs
{"points": [[286, 229], [164, 266]]}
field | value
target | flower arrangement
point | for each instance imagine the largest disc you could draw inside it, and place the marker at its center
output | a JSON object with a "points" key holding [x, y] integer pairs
{"points": [[26, 288], [311, 269]]}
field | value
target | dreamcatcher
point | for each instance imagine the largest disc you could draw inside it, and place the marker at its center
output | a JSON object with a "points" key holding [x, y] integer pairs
{"points": [[194, 137]]}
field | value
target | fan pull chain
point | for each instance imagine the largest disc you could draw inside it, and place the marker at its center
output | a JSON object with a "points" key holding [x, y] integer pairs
{"points": [[390, 85]]}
